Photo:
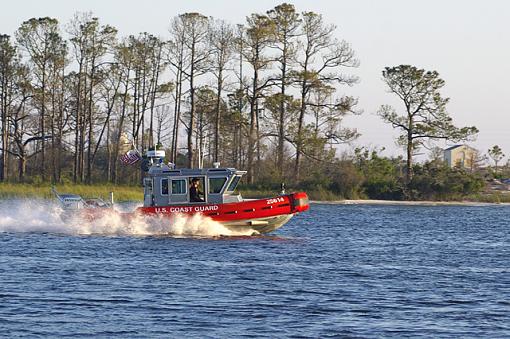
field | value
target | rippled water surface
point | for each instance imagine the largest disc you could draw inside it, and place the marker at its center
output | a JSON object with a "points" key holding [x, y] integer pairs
{"points": [[337, 270]]}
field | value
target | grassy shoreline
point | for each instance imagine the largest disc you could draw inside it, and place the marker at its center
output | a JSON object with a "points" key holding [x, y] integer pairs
{"points": [[43, 191], [135, 193]]}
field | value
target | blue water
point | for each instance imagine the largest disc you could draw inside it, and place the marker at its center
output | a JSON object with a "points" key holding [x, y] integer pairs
{"points": [[337, 270]]}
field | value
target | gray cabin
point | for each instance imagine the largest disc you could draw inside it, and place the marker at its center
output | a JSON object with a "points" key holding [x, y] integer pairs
{"points": [[165, 185]]}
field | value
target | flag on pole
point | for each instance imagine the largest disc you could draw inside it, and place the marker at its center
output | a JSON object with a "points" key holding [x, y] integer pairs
{"points": [[131, 157]]}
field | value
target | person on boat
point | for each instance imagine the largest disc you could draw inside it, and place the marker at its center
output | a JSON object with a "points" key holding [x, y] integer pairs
{"points": [[194, 191]]}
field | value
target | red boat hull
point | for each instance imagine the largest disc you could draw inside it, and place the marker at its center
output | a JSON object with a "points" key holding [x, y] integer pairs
{"points": [[260, 215], [243, 210]]}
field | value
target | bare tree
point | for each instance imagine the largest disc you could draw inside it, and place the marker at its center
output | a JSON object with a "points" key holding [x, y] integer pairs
{"points": [[41, 40], [286, 23], [22, 125], [196, 43], [178, 59], [91, 43], [190, 35], [222, 38], [124, 59], [258, 37], [320, 61], [147, 66], [9, 60]]}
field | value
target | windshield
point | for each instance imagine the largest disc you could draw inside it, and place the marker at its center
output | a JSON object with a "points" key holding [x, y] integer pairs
{"points": [[234, 183]]}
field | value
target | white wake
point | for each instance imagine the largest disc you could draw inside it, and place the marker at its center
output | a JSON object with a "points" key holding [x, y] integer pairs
{"points": [[40, 216]]}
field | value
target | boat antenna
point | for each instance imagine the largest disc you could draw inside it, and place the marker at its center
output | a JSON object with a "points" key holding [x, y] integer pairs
{"points": [[200, 157]]}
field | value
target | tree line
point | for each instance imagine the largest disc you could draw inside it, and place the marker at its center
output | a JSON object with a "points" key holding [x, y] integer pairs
{"points": [[266, 95], [210, 92]]}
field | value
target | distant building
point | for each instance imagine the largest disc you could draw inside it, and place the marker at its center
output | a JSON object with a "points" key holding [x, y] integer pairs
{"points": [[461, 156]]}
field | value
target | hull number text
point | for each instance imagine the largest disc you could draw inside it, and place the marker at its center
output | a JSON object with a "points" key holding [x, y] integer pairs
{"points": [[275, 200]]}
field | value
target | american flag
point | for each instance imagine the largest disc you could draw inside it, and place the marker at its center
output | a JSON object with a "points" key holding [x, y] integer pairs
{"points": [[131, 157]]}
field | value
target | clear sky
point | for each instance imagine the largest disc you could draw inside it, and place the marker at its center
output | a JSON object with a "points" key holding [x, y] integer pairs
{"points": [[467, 42]]}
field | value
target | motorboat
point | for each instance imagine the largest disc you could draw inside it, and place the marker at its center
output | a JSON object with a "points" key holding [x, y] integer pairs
{"points": [[167, 193]]}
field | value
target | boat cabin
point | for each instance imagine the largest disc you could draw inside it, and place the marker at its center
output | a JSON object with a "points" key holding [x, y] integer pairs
{"points": [[165, 185]]}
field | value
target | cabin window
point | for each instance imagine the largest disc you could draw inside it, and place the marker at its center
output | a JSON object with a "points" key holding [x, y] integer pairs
{"points": [[234, 183], [164, 186], [216, 184], [179, 186]]}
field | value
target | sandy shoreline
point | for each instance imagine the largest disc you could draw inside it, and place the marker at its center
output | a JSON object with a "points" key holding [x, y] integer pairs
{"points": [[409, 203]]}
